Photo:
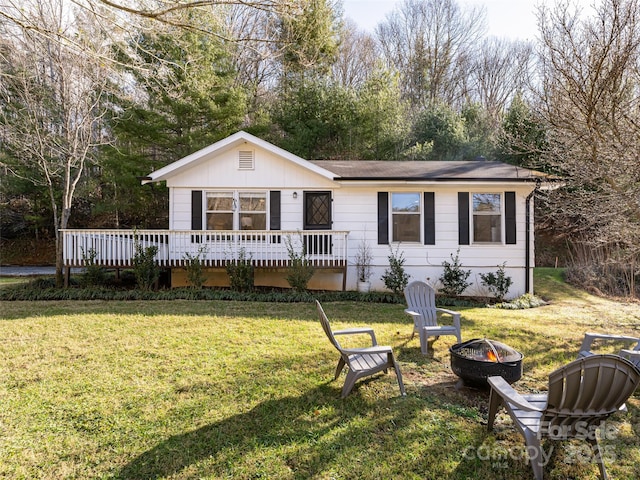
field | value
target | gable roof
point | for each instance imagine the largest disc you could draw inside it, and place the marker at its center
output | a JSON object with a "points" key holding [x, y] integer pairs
{"points": [[223, 145], [362, 170], [479, 170]]}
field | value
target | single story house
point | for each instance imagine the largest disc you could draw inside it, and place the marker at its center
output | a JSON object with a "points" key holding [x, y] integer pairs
{"points": [[243, 196]]}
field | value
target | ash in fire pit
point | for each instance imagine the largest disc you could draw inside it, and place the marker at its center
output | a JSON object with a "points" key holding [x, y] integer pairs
{"points": [[477, 359]]}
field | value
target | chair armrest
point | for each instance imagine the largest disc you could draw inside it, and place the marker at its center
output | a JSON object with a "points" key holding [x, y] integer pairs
{"points": [[411, 312], [500, 386], [632, 355], [357, 331], [455, 315], [589, 337], [374, 349]]}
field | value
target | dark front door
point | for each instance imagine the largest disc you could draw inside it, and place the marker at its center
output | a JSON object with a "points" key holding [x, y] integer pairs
{"points": [[317, 216]]}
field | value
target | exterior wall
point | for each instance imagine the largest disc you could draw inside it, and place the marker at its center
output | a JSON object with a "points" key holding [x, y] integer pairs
{"points": [[355, 210], [221, 173]]}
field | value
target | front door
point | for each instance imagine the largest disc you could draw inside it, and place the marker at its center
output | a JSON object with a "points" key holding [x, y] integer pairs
{"points": [[317, 216]]}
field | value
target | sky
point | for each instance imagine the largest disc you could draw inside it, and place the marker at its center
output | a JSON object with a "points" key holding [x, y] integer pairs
{"points": [[511, 19]]}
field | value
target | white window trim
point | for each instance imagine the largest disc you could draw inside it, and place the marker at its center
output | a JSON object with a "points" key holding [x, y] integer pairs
{"points": [[235, 195], [420, 239], [472, 213]]}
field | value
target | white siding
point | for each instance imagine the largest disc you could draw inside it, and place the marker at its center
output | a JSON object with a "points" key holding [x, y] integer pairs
{"points": [[180, 217], [355, 210], [270, 172]]}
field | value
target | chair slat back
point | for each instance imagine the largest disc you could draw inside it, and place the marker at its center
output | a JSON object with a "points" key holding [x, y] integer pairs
{"points": [[421, 298], [588, 390], [324, 321]]}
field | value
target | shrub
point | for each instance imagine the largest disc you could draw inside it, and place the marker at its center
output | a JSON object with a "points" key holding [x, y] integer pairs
{"points": [[300, 268], [454, 278], [93, 274], [195, 268], [498, 283], [241, 272], [395, 278], [145, 268], [525, 301]]}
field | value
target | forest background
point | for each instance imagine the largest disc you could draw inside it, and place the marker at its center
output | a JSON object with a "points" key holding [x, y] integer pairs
{"points": [[95, 94]]}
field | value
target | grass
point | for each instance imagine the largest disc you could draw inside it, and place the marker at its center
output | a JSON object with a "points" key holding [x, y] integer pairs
{"points": [[223, 389], [5, 281]]}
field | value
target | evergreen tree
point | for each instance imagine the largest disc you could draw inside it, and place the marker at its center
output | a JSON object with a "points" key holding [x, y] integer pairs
{"points": [[181, 97]]}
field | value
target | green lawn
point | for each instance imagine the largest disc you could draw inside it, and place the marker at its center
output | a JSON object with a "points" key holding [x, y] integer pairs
{"points": [[188, 389]]}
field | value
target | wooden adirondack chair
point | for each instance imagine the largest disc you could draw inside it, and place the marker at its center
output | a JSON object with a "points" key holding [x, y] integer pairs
{"points": [[632, 353], [581, 395], [421, 306], [361, 362]]}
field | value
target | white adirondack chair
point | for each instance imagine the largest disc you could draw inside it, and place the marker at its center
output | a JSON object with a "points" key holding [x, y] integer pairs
{"points": [[581, 395], [632, 353], [361, 362], [421, 306]]}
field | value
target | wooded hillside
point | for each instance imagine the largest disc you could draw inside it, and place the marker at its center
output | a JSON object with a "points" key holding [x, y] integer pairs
{"points": [[95, 94]]}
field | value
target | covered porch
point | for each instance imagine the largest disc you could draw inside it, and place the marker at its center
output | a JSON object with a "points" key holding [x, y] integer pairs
{"points": [[265, 249]]}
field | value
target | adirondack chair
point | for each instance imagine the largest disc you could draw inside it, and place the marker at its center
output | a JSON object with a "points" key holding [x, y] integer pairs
{"points": [[361, 362], [421, 306], [632, 353], [581, 395]]}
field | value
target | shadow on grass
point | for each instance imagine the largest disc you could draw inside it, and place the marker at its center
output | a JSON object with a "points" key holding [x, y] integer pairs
{"points": [[294, 427]]}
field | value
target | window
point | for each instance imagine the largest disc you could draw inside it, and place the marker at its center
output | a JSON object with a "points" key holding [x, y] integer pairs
{"points": [[236, 211], [220, 210], [487, 218], [253, 211], [405, 217]]}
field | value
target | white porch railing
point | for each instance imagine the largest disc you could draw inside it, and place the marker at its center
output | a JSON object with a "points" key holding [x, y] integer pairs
{"points": [[117, 248]]}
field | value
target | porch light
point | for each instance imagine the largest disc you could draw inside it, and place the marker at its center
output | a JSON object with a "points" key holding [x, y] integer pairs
{"points": [[295, 195]]}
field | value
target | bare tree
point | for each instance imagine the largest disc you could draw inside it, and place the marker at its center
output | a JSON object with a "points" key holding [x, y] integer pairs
{"points": [[498, 72], [590, 100], [53, 101], [357, 56], [430, 42]]}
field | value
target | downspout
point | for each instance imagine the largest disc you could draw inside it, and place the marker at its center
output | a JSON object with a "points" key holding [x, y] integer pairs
{"points": [[527, 259]]}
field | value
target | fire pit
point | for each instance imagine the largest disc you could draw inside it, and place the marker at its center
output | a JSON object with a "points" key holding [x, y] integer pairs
{"points": [[477, 359]]}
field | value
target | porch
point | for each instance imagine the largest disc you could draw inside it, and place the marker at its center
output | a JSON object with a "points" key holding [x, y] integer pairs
{"points": [[265, 249]]}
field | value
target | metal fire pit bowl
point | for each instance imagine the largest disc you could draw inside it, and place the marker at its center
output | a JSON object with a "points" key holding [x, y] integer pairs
{"points": [[476, 360]]}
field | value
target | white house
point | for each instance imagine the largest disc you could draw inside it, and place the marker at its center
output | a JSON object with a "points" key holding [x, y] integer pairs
{"points": [[243, 194]]}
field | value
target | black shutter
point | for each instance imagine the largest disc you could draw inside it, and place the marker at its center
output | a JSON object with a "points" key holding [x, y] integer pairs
{"points": [[274, 210], [463, 218], [510, 218], [383, 218], [196, 210], [429, 218]]}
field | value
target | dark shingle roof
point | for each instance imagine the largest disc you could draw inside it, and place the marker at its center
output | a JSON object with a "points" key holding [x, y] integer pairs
{"points": [[427, 170]]}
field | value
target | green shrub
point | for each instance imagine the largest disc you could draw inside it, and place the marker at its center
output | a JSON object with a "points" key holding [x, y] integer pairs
{"points": [[94, 274], [241, 273], [498, 283], [195, 268], [300, 268], [45, 289], [395, 278], [145, 268], [454, 278]]}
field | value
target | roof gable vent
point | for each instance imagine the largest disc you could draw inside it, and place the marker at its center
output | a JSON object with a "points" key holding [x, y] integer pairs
{"points": [[245, 160]]}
